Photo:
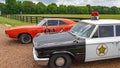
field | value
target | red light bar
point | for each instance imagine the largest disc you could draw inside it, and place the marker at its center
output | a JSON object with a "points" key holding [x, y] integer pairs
{"points": [[95, 14]]}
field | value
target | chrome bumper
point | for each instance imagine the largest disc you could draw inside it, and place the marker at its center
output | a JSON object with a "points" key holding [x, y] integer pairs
{"points": [[41, 61]]}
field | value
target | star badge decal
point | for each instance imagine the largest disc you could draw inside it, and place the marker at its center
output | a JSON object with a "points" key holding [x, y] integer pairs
{"points": [[101, 50]]}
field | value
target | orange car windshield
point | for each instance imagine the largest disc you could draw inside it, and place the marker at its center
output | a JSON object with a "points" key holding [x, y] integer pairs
{"points": [[41, 23]]}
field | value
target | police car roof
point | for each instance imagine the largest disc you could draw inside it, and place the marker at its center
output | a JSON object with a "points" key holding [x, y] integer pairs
{"points": [[102, 21]]}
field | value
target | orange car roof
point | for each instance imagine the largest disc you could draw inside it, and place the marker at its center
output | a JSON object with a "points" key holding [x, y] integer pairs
{"points": [[63, 19]]}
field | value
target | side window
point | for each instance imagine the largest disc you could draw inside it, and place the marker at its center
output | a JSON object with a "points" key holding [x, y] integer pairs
{"points": [[117, 30], [62, 23], [52, 22], [106, 31]]}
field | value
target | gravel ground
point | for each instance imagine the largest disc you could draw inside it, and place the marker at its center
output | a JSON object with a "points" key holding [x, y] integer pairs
{"points": [[16, 55]]}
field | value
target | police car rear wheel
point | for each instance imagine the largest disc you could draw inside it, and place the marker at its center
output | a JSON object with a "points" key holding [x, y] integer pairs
{"points": [[60, 61]]}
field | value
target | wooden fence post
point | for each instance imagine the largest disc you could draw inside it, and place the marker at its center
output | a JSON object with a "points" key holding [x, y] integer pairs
{"points": [[31, 19], [26, 18], [36, 19], [23, 18]]}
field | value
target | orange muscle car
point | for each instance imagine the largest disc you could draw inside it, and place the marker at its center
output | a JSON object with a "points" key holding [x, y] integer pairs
{"points": [[25, 34]]}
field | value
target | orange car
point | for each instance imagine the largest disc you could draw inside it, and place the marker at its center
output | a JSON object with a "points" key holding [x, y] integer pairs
{"points": [[26, 33]]}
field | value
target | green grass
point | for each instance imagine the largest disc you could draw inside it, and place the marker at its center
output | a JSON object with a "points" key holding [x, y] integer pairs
{"points": [[13, 22], [105, 16]]}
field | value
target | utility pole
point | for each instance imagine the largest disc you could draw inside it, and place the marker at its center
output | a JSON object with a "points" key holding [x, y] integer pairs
{"points": [[21, 17]]}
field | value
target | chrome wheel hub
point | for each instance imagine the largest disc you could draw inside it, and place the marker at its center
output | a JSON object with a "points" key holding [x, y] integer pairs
{"points": [[60, 61]]}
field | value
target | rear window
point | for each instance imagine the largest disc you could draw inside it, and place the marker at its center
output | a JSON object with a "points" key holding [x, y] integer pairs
{"points": [[62, 23]]}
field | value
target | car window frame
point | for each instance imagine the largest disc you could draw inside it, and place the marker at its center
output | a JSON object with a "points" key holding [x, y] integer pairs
{"points": [[45, 23]]}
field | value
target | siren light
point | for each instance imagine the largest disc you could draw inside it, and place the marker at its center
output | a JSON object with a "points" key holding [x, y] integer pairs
{"points": [[95, 15]]}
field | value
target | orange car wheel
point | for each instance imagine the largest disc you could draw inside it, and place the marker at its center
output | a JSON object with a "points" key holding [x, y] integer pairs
{"points": [[25, 38]]}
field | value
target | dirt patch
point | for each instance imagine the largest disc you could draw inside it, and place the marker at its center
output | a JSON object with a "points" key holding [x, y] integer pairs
{"points": [[16, 55]]}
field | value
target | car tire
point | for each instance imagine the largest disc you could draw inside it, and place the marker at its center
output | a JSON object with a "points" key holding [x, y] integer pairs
{"points": [[25, 38], [59, 61]]}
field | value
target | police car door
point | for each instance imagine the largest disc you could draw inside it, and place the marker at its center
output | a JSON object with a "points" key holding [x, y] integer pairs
{"points": [[102, 45]]}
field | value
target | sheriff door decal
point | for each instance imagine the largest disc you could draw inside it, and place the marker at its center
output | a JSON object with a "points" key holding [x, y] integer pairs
{"points": [[102, 50]]}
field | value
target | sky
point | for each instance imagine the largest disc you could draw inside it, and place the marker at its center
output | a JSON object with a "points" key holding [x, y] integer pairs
{"points": [[108, 3]]}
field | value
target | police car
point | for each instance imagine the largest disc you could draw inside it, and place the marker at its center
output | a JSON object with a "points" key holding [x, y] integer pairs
{"points": [[89, 40]]}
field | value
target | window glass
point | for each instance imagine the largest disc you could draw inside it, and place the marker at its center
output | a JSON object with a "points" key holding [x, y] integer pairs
{"points": [[62, 23], [52, 22], [82, 29], [106, 31], [117, 30]]}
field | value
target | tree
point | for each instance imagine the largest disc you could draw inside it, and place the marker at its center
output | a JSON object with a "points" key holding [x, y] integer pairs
{"points": [[18, 7], [84, 10], [71, 9], [89, 8], [28, 7], [11, 6], [62, 9], [40, 8], [2, 8], [52, 8], [114, 10], [10, 2]]}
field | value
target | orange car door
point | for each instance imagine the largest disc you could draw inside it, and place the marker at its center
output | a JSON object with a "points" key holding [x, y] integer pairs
{"points": [[52, 26]]}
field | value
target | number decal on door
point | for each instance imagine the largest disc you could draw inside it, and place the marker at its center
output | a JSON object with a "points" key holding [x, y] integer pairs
{"points": [[46, 30]]}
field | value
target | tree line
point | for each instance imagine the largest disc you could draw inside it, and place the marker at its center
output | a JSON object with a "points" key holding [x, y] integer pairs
{"points": [[28, 7]]}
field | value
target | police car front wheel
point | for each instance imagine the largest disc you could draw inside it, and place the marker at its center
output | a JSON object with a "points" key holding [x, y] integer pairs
{"points": [[60, 61]]}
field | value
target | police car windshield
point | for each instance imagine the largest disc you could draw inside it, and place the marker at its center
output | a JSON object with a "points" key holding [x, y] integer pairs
{"points": [[82, 29], [41, 23]]}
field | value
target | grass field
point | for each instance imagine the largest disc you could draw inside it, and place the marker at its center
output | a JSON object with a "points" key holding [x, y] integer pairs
{"points": [[13, 22], [105, 16], [74, 17]]}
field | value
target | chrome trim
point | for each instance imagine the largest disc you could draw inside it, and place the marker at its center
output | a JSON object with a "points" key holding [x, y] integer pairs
{"points": [[42, 61]]}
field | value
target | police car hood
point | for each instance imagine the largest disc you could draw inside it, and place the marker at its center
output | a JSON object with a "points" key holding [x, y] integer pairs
{"points": [[52, 39]]}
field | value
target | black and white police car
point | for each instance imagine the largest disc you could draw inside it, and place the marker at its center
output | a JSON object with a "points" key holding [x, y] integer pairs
{"points": [[89, 40]]}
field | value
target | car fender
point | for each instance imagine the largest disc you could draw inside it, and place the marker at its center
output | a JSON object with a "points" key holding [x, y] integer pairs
{"points": [[64, 52]]}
